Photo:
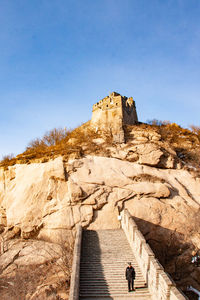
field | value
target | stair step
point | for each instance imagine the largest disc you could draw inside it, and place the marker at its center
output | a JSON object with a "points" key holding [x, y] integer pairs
{"points": [[107, 291], [104, 257], [114, 294], [110, 292], [122, 297], [97, 283]]}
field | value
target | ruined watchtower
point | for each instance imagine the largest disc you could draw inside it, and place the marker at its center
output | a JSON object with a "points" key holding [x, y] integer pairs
{"points": [[112, 112]]}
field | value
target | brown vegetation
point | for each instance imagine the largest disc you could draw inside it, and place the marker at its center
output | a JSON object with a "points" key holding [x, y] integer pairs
{"points": [[57, 142], [185, 142], [48, 280], [81, 141]]}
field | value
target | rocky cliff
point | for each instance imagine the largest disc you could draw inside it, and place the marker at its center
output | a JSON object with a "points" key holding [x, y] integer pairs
{"points": [[43, 201]]}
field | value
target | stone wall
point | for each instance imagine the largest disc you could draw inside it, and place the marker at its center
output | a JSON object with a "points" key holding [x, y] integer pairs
{"points": [[112, 112], [129, 111], [160, 285], [114, 100], [107, 113]]}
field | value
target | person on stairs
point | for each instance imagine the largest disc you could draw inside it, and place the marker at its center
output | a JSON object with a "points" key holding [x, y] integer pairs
{"points": [[130, 276]]}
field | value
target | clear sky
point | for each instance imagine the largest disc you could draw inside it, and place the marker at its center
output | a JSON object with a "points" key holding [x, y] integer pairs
{"points": [[59, 57]]}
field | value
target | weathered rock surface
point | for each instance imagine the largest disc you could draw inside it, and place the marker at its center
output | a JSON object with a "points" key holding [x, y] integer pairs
{"points": [[32, 269], [41, 199], [29, 252], [150, 154]]}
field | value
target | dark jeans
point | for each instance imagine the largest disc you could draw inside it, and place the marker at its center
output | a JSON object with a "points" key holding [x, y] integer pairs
{"points": [[130, 284]]}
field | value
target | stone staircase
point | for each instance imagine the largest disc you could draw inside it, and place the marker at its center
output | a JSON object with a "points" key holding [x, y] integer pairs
{"points": [[104, 257]]}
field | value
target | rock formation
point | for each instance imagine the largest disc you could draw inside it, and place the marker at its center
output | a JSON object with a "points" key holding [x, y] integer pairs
{"points": [[41, 199]]}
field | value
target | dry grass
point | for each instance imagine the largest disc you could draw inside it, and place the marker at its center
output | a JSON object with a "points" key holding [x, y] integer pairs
{"points": [[174, 133], [185, 142], [56, 142], [7, 160], [80, 141]]}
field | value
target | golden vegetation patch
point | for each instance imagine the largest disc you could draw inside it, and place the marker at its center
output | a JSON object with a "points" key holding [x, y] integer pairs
{"points": [[56, 142], [85, 140], [185, 142]]}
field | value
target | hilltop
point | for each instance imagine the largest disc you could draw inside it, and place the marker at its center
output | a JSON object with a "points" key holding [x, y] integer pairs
{"points": [[87, 176], [112, 130], [179, 146]]}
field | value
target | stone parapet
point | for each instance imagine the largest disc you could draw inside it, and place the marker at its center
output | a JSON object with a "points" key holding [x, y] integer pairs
{"points": [[159, 283], [176, 294], [75, 276], [112, 113]]}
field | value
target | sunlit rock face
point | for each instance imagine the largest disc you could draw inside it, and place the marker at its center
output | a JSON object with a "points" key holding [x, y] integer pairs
{"points": [[43, 198]]}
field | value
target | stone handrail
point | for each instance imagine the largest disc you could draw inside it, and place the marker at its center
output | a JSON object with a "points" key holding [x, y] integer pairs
{"points": [[160, 285], [74, 285]]}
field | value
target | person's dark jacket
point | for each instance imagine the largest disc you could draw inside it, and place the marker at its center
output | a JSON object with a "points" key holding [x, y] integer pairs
{"points": [[130, 273]]}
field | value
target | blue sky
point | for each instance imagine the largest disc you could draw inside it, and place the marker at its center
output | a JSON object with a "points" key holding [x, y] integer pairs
{"points": [[58, 58]]}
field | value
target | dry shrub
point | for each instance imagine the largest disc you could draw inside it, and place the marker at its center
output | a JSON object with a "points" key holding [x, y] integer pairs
{"points": [[40, 281], [147, 178], [62, 142], [32, 282], [57, 142], [158, 122], [84, 137], [173, 133], [7, 160], [55, 136], [196, 130], [185, 142], [8, 157], [80, 141], [50, 138]]}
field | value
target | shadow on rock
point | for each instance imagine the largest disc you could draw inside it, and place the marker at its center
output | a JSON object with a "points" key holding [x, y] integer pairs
{"points": [[174, 253]]}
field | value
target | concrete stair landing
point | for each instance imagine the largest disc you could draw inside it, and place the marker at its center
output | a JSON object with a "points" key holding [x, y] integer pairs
{"points": [[104, 258]]}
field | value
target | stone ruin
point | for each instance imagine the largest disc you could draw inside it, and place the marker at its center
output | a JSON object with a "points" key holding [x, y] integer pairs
{"points": [[112, 112]]}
